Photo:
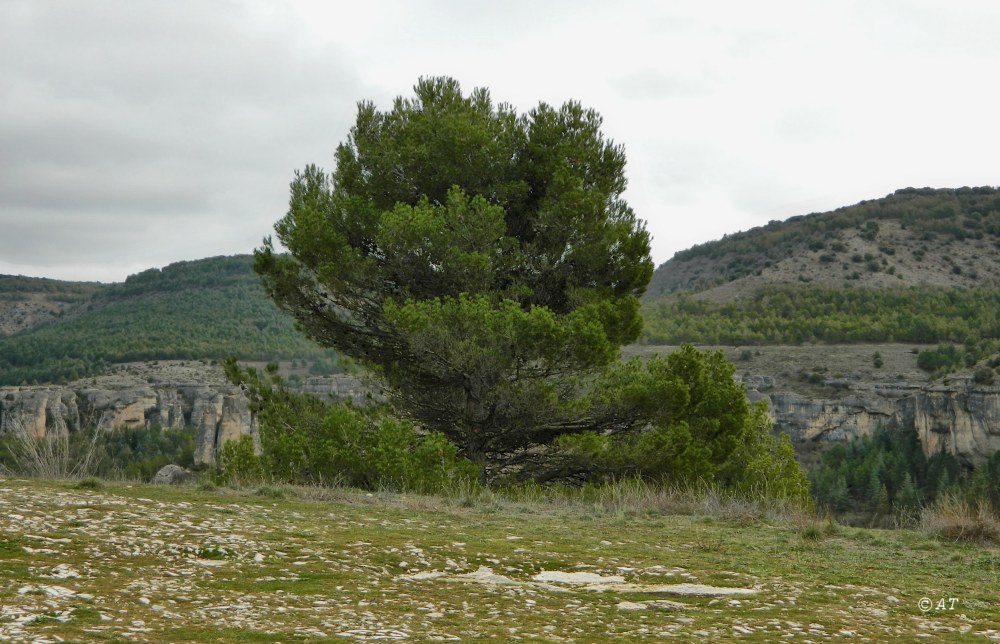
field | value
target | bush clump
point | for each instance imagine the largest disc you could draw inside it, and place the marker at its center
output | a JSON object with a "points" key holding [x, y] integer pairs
{"points": [[304, 441]]}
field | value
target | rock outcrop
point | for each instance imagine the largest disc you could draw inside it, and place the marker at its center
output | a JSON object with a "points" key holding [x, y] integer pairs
{"points": [[959, 415], [821, 395], [170, 395], [956, 413], [171, 475], [220, 412]]}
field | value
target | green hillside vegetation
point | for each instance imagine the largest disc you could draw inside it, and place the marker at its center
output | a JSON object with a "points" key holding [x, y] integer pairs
{"points": [[18, 287], [792, 315], [929, 216], [206, 309], [888, 474], [919, 266]]}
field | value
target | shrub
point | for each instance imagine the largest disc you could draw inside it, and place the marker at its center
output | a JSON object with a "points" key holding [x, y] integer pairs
{"points": [[941, 358], [702, 430], [237, 463], [131, 453], [307, 442]]}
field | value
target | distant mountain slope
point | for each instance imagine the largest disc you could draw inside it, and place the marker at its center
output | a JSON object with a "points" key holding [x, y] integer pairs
{"points": [[913, 237], [28, 301], [206, 309], [920, 265]]}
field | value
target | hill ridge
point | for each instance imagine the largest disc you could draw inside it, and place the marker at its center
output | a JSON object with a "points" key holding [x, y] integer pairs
{"points": [[202, 309], [912, 237]]}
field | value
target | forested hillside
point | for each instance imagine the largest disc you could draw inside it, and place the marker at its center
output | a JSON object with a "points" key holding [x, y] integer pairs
{"points": [[913, 237], [206, 309], [918, 266]]}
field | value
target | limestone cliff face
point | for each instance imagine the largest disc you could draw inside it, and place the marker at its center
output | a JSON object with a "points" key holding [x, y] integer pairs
{"points": [[219, 411], [170, 395], [38, 411], [959, 415]]}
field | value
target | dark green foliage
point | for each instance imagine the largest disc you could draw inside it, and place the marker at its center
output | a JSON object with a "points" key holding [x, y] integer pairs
{"points": [[139, 453], [991, 476], [908, 500], [792, 315], [478, 260], [700, 428], [305, 441], [19, 287], [983, 376], [942, 358], [205, 309], [888, 472]]}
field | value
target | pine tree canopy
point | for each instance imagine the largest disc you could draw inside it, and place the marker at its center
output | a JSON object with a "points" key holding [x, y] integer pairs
{"points": [[482, 262]]}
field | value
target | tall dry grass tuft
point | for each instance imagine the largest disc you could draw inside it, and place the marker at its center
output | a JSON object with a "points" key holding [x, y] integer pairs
{"points": [[952, 517], [636, 496], [47, 457]]}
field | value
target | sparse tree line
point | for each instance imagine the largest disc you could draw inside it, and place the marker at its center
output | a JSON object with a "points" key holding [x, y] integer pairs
{"points": [[13, 286], [795, 315], [935, 218]]}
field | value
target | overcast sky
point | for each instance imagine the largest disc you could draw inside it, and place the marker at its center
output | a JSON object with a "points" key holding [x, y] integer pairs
{"points": [[136, 133]]}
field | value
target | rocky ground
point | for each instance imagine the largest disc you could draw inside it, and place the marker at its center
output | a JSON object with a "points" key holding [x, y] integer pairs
{"points": [[144, 563]]}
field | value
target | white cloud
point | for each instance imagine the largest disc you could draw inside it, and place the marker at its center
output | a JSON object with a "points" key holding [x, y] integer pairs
{"points": [[139, 133]]}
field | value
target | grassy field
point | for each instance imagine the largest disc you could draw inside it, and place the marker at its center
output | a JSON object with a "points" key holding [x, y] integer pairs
{"points": [[117, 562]]}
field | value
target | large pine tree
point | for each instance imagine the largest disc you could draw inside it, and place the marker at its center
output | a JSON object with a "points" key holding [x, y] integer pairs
{"points": [[482, 262]]}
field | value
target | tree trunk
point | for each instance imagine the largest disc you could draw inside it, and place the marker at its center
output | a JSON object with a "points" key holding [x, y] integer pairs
{"points": [[475, 447]]}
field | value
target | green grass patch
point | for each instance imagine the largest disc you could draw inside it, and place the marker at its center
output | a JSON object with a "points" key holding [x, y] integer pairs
{"points": [[224, 565]]}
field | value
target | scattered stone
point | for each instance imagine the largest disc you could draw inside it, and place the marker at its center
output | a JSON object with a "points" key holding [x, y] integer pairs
{"points": [[425, 574], [685, 590], [654, 604], [63, 571], [171, 475], [632, 606], [49, 591], [485, 575], [559, 577]]}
